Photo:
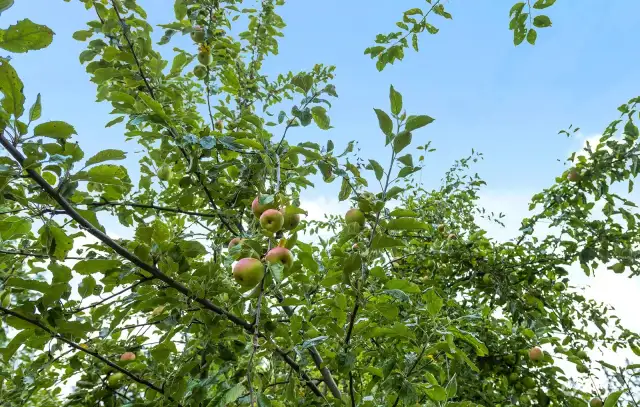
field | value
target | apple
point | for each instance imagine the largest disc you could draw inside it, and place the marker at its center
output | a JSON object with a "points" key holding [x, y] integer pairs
{"points": [[272, 220], [559, 286], [259, 209], [291, 220], [197, 35], [248, 272], [487, 278], [536, 354], [582, 354], [596, 402], [452, 236], [582, 369], [200, 71], [115, 380], [280, 255], [128, 356], [164, 172], [219, 125], [441, 228], [234, 242], [354, 215], [355, 246], [573, 175], [528, 382], [204, 57]]}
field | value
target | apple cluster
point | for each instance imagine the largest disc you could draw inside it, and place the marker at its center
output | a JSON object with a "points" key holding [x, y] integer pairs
{"points": [[249, 271]]}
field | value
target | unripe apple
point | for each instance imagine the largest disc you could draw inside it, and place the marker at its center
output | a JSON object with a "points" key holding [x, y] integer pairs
{"points": [[234, 242], [204, 57], [528, 382], [197, 35], [280, 255], [258, 209], [573, 175], [248, 272], [582, 354], [536, 354], [271, 220], [115, 380], [582, 369], [219, 125], [559, 286], [164, 172], [291, 220], [200, 71], [441, 228], [596, 402], [487, 278], [128, 356], [354, 215]]}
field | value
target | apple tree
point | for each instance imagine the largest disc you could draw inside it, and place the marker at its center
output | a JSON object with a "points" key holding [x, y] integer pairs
{"points": [[223, 293]]}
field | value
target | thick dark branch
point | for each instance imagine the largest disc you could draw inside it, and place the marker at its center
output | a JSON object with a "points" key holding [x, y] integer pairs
{"points": [[88, 351], [155, 272]]}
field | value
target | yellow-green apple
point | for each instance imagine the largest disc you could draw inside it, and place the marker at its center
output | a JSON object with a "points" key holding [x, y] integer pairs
{"points": [[271, 220], [115, 380], [234, 242], [248, 272], [197, 35], [128, 356], [280, 255], [596, 402], [164, 172], [536, 354], [354, 215], [204, 57], [200, 71], [441, 228], [291, 220], [259, 209]]}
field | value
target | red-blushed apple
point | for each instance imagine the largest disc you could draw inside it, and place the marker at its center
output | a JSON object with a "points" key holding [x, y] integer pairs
{"points": [[536, 354], [248, 272], [271, 220], [354, 215], [234, 242], [280, 255], [291, 220], [128, 356], [573, 175], [355, 246], [258, 209], [596, 402]]}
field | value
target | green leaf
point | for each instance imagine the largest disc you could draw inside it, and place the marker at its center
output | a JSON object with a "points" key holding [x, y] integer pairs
{"points": [[162, 351], [86, 286], [11, 86], [416, 122], [54, 129], [532, 35], [5, 5], [407, 160], [180, 11], [36, 110], [25, 36], [478, 346], [86, 267], [320, 117], [385, 123], [377, 168], [436, 393], [406, 224], [382, 242], [345, 190], [542, 21], [17, 341], [303, 81], [402, 285], [396, 101], [106, 155], [540, 4], [402, 140], [56, 240], [612, 399], [452, 387], [434, 302], [82, 35]]}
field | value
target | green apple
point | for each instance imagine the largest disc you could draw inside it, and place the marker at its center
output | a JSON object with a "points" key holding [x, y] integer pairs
{"points": [[441, 228], [291, 220], [280, 255], [234, 242], [258, 209], [197, 35], [164, 172], [559, 286], [271, 220], [582, 354], [528, 382], [354, 215], [582, 369], [115, 380], [204, 57], [596, 402], [248, 272], [128, 356], [487, 278], [200, 71], [536, 354]]}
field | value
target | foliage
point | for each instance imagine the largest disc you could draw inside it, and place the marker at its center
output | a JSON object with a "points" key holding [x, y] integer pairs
{"points": [[416, 307]]}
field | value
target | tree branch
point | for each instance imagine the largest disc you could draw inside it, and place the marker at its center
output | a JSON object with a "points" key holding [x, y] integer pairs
{"points": [[36, 255], [95, 304], [156, 207], [88, 351]]}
